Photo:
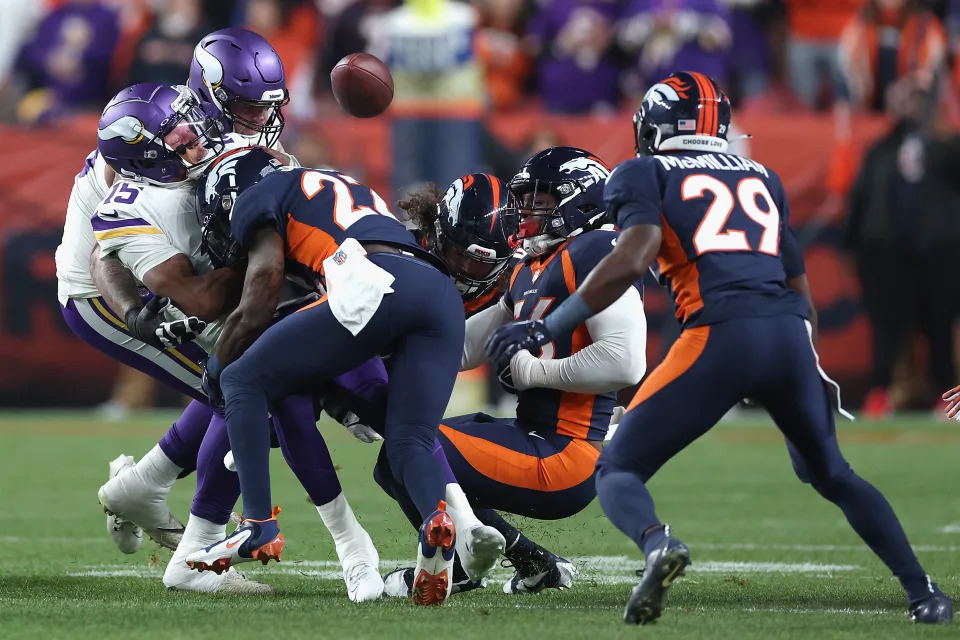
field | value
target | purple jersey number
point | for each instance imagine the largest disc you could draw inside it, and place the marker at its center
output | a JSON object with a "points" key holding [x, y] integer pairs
{"points": [[122, 193]]}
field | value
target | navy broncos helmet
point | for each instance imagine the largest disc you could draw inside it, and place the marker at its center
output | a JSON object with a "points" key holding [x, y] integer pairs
{"points": [[470, 237], [684, 111], [561, 194], [228, 176]]}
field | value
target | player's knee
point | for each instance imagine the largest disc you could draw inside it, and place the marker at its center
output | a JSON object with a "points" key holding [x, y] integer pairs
{"points": [[383, 477], [236, 377], [832, 483]]}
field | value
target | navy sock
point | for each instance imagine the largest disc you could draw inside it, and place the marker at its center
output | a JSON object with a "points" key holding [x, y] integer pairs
{"points": [[249, 431], [629, 506], [872, 517]]}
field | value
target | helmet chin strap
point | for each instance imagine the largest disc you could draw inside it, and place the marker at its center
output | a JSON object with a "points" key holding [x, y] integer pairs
{"points": [[539, 245]]}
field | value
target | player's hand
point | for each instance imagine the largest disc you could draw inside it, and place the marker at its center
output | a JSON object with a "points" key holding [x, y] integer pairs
{"points": [[351, 422], [512, 337], [211, 382], [148, 326], [952, 398]]}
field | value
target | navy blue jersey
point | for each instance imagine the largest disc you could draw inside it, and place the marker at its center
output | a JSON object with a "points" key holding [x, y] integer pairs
{"points": [[727, 248], [314, 211], [537, 286]]}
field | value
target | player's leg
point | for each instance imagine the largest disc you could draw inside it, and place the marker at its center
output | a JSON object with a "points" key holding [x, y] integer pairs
{"points": [[678, 402], [214, 500], [306, 453], [136, 493], [797, 400]]}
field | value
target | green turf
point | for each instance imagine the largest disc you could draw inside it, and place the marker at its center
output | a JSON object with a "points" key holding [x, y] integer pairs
{"points": [[772, 560]]}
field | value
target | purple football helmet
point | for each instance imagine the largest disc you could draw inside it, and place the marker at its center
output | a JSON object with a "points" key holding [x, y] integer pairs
{"points": [[240, 81], [158, 134]]}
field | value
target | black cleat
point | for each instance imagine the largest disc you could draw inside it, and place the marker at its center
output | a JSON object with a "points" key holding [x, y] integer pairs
{"points": [[663, 565], [937, 608]]}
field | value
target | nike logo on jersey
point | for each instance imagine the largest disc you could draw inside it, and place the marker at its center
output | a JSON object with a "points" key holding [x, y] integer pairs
{"points": [[536, 435]]}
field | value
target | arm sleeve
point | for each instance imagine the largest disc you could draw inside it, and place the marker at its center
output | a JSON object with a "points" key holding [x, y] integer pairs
{"points": [[615, 359], [256, 207], [479, 328], [632, 193]]}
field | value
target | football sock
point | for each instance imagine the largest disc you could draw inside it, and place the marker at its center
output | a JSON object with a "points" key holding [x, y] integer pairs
{"points": [[305, 450], [872, 517], [459, 509], [629, 506], [217, 487], [342, 524], [156, 469], [182, 441], [249, 431]]}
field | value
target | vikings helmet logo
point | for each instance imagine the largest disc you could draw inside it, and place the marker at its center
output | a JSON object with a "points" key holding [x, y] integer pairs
{"points": [[212, 68]]}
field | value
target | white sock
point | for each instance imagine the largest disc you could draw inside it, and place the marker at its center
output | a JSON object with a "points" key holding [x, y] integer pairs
{"points": [[202, 532], [459, 508], [349, 536], [157, 469]]}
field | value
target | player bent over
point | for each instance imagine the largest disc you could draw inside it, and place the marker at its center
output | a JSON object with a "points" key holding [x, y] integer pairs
{"points": [[385, 295], [541, 464], [717, 227]]}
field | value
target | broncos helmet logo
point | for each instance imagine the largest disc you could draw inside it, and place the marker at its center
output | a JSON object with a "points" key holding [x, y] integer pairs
{"points": [[596, 171]]}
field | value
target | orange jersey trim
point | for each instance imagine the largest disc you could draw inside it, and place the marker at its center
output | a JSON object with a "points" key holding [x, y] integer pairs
{"points": [[568, 468], [308, 245], [683, 275], [683, 354]]}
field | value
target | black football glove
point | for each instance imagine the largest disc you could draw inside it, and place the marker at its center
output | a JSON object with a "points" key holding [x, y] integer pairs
{"points": [[148, 326]]}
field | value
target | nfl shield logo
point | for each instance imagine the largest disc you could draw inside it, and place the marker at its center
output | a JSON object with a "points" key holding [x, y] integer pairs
{"points": [[686, 125], [340, 257]]}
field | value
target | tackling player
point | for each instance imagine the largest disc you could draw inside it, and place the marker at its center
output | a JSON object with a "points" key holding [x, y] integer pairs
{"points": [[156, 227], [325, 225], [540, 464], [716, 228]]}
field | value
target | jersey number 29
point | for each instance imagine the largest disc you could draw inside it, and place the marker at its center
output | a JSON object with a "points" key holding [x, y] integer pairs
{"points": [[711, 235]]}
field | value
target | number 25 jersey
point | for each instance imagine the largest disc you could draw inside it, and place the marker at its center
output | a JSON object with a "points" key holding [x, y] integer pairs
{"points": [[314, 211], [727, 248]]}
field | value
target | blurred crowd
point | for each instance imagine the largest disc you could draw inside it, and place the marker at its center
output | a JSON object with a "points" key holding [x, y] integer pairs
{"points": [[454, 61], [572, 56]]}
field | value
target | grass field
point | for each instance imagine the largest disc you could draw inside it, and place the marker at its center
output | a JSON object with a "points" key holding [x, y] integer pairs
{"points": [[771, 559]]}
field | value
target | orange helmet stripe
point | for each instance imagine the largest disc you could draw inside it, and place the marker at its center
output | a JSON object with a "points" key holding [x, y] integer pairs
{"points": [[710, 101], [495, 186]]}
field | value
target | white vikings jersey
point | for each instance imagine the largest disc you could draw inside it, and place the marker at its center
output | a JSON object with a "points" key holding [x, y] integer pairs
{"points": [[73, 254], [145, 225]]}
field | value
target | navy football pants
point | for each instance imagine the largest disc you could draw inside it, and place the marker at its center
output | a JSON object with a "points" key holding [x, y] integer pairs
{"points": [[420, 325], [710, 369]]}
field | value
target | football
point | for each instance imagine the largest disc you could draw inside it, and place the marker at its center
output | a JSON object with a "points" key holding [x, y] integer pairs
{"points": [[362, 85]]}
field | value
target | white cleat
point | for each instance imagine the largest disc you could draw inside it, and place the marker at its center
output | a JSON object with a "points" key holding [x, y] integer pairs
{"points": [[126, 535], [361, 568], [479, 548], [179, 577], [131, 498]]}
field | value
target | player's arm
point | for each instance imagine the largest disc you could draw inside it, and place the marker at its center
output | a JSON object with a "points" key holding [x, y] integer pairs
{"points": [[615, 359], [791, 254], [632, 195], [261, 292], [115, 283], [478, 329], [205, 296]]}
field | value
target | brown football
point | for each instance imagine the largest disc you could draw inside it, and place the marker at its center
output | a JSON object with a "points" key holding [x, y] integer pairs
{"points": [[362, 85]]}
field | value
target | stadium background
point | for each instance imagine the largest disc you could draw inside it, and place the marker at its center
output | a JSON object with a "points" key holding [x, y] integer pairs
{"points": [[522, 75]]}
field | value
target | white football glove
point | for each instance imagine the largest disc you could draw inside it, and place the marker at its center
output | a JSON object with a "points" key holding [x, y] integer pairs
{"points": [[360, 431], [618, 412]]}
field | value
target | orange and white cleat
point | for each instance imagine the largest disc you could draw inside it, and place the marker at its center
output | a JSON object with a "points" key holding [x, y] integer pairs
{"points": [[253, 540], [436, 548]]}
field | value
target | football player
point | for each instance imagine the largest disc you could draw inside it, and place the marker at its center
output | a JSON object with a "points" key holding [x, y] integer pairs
{"points": [[540, 464], [326, 226], [716, 229], [156, 234]]}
